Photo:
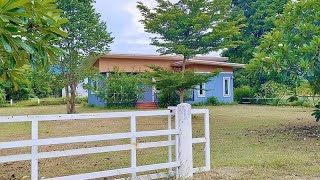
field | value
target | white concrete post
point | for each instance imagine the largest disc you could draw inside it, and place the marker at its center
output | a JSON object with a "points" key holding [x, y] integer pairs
{"points": [[38, 101], [183, 115], [11, 102]]}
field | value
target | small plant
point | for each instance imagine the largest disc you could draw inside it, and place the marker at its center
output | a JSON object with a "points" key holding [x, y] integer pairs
{"points": [[316, 112], [213, 101], [168, 98]]}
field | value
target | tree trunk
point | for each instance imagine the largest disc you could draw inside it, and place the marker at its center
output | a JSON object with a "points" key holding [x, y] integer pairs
{"points": [[66, 87], [181, 96], [184, 64], [181, 92], [72, 104]]}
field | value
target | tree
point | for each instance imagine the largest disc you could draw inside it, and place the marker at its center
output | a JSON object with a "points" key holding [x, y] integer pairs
{"points": [[259, 17], [171, 81], [88, 37], [189, 28], [292, 49], [28, 31], [44, 82]]}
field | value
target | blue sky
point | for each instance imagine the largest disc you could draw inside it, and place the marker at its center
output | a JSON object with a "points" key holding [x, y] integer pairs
{"points": [[122, 18]]}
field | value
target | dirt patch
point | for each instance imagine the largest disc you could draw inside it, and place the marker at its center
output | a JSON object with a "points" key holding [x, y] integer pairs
{"points": [[226, 173], [239, 173], [299, 132]]}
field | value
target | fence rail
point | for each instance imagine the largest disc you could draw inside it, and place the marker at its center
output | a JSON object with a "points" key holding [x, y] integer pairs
{"points": [[35, 142]]}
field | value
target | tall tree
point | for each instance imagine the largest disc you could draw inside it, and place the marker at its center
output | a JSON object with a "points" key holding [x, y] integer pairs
{"points": [[292, 48], [189, 28], [28, 31], [259, 16], [88, 37]]}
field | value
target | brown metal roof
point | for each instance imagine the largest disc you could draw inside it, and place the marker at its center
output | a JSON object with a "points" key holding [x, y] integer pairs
{"points": [[164, 57], [208, 62]]}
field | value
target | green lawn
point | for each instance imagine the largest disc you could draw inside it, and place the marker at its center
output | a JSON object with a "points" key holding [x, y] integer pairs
{"points": [[247, 142]]}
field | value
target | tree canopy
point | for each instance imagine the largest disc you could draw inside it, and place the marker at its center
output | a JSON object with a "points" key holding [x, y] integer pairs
{"points": [[88, 37], [28, 32], [188, 28], [258, 17], [291, 51], [172, 81]]}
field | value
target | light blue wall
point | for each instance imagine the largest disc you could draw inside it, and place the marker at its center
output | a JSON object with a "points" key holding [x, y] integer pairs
{"points": [[147, 95], [92, 99], [213, 88]]}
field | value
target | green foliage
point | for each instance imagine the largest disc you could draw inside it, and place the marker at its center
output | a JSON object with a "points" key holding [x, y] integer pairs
{"points": [[23, 93], [213, 101], [40, 81], [316, 112], [88, 37], [258, 16], [2, 96], [28, 31], [119, 89], [186, 27], [172, 81], [168, 98], [241, 92], [273, 90], [291, 49]]}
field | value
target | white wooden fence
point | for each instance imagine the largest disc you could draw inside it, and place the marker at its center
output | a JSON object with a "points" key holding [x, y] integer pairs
{"points": [[183, 162]]}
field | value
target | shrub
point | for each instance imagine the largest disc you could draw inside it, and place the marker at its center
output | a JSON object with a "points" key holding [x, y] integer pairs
{"points": [[316, 112], [119, 89], [2, 96], [241, 92], [166, 99], [213, 101]]}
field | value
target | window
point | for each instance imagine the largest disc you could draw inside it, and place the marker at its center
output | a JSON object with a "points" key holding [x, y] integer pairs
{"points": [[226, 87], [95, 86], [201, 90]]}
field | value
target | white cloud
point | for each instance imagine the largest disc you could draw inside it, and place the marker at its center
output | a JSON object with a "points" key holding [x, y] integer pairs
{"points": [[122, 17], [136, 15]]}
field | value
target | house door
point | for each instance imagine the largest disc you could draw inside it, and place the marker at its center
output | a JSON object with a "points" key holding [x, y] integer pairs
{"points": [[155, 93]]}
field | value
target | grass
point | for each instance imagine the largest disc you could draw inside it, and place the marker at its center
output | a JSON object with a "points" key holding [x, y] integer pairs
{"points": [[247, 142]]}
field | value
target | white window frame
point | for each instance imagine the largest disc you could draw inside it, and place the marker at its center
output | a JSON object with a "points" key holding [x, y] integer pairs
{"points": [[94, 91], [203, 90], [224, 85]]}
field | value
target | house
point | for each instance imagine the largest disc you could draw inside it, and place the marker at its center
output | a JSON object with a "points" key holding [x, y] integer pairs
{"points": [[80, 91], [220, 86]]}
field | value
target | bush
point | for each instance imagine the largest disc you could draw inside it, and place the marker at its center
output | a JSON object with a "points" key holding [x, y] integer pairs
{"points": [[119, 89], [213, 101], [316, 112], [166, 99], [2, 96], [244, 91]]}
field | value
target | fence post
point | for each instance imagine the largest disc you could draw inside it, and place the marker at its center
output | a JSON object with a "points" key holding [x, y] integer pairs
{"points": [[11, 102], [34, 151], [183, 116]]}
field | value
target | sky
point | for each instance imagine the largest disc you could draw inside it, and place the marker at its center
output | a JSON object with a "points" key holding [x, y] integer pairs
{"points": [[122, 18]]}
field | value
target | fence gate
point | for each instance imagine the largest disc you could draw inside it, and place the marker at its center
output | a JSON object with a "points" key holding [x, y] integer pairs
{"points": [[182, 143]]}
